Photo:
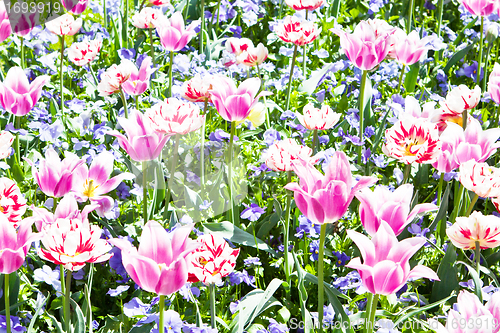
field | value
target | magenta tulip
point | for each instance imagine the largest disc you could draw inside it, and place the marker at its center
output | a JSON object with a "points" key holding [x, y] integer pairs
{"points": [[161, 263], [480, 7], [138, 81], [14, 245], [325, 199], [386, 268], [75, 6], [174, 35], [5, 28], [409, 49], [17, 94]]}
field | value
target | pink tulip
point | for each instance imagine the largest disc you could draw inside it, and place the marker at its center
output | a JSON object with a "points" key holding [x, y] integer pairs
{"points": [[173, 116], [363, 47], [281, 154], [293, 30], [5, 28], [114, 77], [91, 184], [380, 27], [235, 104], [174, 36], [493, 83], [443, 116], [55, 177], [67, 208], [412, 140], [459, 147], [138, 81], [461, 98], [146, 18], [480, 178], [142, 143], [83, 53], [197, 89], [161, 263], [245, 52], [73, 243], [75, 8], [318, 119], [386, 268], [17, 95], [12, 202], [409, 49], [64, 25], [23, 22], [6, 139], [325, 199], [213, 260], [480, 7], [391, 207], [304, 4], [467, 230], [14, 245]]}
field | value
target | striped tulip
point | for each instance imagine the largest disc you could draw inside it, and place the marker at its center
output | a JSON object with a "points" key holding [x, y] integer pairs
{"points": [[467, 230], [318, 119], [12, 202], [480, 178], [281, 154], [173, 116]]}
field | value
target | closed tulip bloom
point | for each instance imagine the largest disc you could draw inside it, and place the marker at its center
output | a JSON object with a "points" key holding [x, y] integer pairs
{"points": [[364, 48], [64, 25], [213, 260], [174, 35], [14, 244], [141, 142], [245, 52], [114, 77], [234, 104], [73, 243], [83, 53], [6, 139], [75, 8], [326, 198], [161, 263], [480, 7], [304, 4], [146, 18], [293, 30], [173, 116], [467, 230], [17, 95], [412, 140], [12, 202], [138, 81], [23, 21], [458, 147], [494, 83], [386, 268], [197, 89], [392, 207], [462, 98], [409, 49], [480, 178], [318, 119], [55, 177], [281, 154], [5, 28]]}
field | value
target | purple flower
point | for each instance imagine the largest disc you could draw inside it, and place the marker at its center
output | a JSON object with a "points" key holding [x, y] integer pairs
{"points": [[126, 54], [172, 321], [49, 276], [307, 227], [122, 191], [252, 212], [314, 249], [192, 328], [205, 205], [252, 261], [342, 258], [236, 278], [469, 71], [275, 327], [136, 308], [288, 115], [258, 170], [14, 324], [271, 136], [117, 291], [188, 292], [233, 307]]}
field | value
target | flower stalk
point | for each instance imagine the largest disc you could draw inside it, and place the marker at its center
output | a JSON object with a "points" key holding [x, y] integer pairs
{"points": [[67, 316], [289, 90], [7, 302], [170, 74], [173, 165], [361, 113], [320, 276]]}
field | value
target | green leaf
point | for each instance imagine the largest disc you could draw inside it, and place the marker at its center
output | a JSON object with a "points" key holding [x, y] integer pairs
{"points": [[447, 273], [56, 323], [421, 309], [335, 8], [459, 55], [39, 307], [306, 316], [411, 77], [80, 319], [146, 328], [475, 277], [443, 208], [309, 85]]}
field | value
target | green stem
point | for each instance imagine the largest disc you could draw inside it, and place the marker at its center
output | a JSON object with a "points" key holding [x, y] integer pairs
{"points": [[471, 206], [105, 13], [440, 21], [211, 288], [410, 15], [125, 40], [152, 52], [369, 301], [315, 141], [464, 119], [173, 165], [230, 171], [457, 201], [401, 79], [67, 317], [61, 76], [170, 74], [202, 25], [137, 103], [407, 173], [161, 322], [440, 188], [373, 309], [218, 13], [320, 276], [304, 64], [144, 192], [286, 232], [289, 90], [202, 151], [124, 100], [61, 278], [7, 302], [480, 56], [23, 66], [361, 113], [477, 256], [18, 145]]}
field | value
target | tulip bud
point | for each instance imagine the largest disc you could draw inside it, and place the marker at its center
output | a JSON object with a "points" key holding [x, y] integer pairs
{"points": [[492, 32]]}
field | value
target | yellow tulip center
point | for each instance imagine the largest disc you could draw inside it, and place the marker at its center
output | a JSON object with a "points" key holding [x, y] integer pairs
{"points": [[89, 188]]}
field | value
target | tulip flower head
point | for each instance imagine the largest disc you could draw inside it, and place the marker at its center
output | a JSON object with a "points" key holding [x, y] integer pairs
{"points": [[326, 198], [6, 139], [5, 28], [386, 268], [138, 81], [64, 25], [17, 95], [409, 49], [392, 207], [462, 98], [413, 109], [197, 89], [174, 36], [480, 7], [159, 3], [14, 244], [141, 142], [83, 53], [467, 230], [480, 178], [293, 30], [494, 84], [146, 18], [305, 4], [114, 77], [75, 6], [73, 243], [55, 177], [12, 202], [412, 140], [213, 260], [173, 116], [364, 48], [281, 154], [23, 22], [318, 119], [161, 263], [245, 52]]}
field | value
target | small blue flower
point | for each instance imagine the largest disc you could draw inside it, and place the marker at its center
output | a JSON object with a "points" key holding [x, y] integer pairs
{"points": [[252, 212], [118, 291]]}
